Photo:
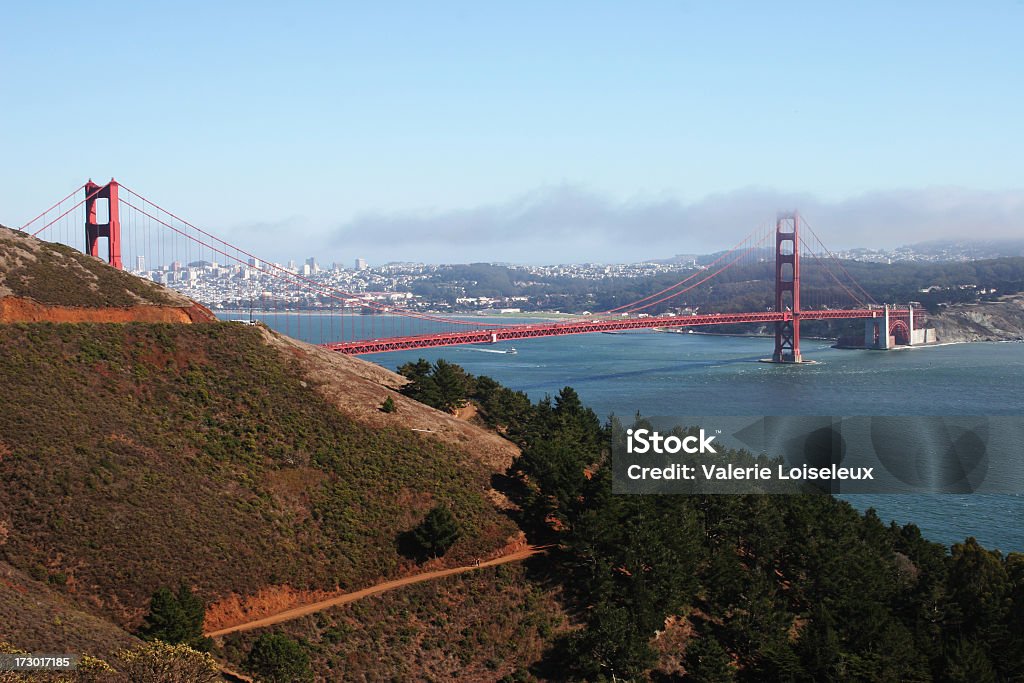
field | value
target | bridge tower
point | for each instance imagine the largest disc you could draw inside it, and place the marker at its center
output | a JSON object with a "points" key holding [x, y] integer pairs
{"points": [[787, 288], [111, 229]]}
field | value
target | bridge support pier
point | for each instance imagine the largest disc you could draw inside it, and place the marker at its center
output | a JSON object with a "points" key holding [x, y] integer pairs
{"points": [[910, 336], [787, 288], [111, 229], [876, 332], [895, 327]]}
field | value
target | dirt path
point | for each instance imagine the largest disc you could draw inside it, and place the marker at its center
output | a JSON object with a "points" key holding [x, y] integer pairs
{"points": [[304, 610]]}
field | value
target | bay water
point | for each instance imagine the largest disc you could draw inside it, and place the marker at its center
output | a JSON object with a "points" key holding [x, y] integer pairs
{"points": [[658, 373]]}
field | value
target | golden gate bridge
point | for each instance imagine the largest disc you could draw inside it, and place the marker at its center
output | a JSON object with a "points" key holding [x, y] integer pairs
{"points": [[126, 225]]}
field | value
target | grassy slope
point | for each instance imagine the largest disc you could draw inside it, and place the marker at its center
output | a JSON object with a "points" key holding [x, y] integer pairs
{"points": [[37, 616], [59, 275], [478, 626], [135, 455]]}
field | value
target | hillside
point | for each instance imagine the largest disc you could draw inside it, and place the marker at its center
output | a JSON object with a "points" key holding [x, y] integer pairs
{"points": [[36, 614], [133, 454], [257, 469], [1000, 320], [41, 281], [493, 623]]}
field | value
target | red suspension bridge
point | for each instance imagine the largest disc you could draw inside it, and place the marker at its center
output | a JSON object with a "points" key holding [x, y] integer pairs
{"points": [[130, 231]]}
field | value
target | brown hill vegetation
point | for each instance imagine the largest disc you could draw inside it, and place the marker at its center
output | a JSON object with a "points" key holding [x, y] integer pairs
{"points": [[258, 469], [486, 625], [38, 615], [139, 453], [45, 282]]}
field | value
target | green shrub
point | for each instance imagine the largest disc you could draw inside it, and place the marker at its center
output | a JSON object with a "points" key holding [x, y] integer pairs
{"points": [[159, 662], [432, 537], [276, 658], [176, 618]]}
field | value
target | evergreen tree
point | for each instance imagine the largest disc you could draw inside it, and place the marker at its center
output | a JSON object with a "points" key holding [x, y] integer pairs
{"points": [[454, 385], [276, 658], [979, 591], [509, 411], [436, 533], [706, 661], [176, 618], [443, 385], [165, 620], [610, 646], [1013, 660], [421, 386], [968, 663], [806, 587]]}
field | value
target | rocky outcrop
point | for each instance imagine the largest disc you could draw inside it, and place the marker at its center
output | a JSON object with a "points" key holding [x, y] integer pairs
{"points": [[358, 388], [1000, 320]]}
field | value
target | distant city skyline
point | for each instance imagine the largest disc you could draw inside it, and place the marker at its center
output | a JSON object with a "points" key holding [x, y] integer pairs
{"points": [[527, 133]]}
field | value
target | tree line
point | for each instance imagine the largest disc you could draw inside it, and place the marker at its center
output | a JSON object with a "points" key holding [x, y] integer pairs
{"points": [[784, 588]]}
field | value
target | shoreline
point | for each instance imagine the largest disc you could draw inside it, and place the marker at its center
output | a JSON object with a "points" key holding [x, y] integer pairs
{"points": [[548, 315]]}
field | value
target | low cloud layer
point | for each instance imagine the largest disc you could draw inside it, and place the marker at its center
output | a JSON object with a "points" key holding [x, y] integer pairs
{"points": [[568, 224]]}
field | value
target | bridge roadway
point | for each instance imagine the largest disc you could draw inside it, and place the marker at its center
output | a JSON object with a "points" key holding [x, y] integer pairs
{"points": [[535, 330]]}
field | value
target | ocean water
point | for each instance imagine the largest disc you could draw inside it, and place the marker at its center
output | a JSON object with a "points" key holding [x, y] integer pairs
{"points": [[695, 374]]}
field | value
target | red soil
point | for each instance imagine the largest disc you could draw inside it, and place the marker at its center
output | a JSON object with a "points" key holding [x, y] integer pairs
{"points": [[19, 310]]}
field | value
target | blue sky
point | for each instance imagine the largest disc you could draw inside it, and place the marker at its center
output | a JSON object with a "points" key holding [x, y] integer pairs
{"points": [[529, 131]]}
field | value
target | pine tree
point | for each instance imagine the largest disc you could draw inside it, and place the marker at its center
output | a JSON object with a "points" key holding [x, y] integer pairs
{"points": [[166, 620], [968, 663], [276, 658], [610, 646], [421, 386], [454, 385], [979, 590], [176, 618], [706, 661], [436, 533]]}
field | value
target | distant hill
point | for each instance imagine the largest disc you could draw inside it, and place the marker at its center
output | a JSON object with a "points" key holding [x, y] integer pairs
{"points": [[969, 249], [930, 250]]}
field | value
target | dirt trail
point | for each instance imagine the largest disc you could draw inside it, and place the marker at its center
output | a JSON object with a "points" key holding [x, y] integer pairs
{"points": [[305, 610]]}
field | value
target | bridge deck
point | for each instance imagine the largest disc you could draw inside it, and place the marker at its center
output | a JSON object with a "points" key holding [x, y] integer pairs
{"points": [[535, 330]]}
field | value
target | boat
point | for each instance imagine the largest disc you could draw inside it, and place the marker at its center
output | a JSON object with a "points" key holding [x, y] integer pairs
{"points": [[511, 350]]}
